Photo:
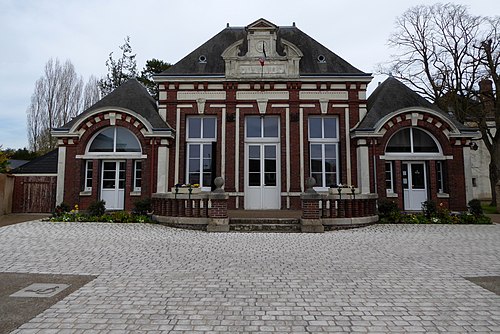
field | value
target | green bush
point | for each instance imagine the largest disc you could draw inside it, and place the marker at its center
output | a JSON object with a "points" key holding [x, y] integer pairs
{"points": [[389, 212], [142, 206], [96, 208], [475, 207], [429, 208]]}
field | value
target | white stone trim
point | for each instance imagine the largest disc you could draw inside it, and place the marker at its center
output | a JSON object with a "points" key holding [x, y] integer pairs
{"points": [[177, 145], [288, 158], [363, 169], [36, 174], [223, 145], [301, 141], [469, 193], [61, 170], [256, 95], [348, 147], [162, 173], [237, 153], [324, 95], [112, 156], [195, 95]]}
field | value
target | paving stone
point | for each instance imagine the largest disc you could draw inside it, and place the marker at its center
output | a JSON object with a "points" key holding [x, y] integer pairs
{"points": [[150, 278]]}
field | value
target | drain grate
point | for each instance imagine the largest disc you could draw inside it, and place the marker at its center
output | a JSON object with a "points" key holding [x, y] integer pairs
{"points": [[40, 290]]}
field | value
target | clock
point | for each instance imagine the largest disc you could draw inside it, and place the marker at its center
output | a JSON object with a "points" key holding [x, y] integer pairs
{"points": [[261, 46]]}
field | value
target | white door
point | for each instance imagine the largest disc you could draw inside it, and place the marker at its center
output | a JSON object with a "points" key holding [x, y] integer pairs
{"points": [[262, 179], [113, 184], [414, 185]]}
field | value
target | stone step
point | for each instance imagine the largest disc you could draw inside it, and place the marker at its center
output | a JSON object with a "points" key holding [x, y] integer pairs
{"points": [[264, 225]]}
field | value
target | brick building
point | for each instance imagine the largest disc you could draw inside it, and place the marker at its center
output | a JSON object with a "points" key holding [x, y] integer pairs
{"points": [[265, 107]]}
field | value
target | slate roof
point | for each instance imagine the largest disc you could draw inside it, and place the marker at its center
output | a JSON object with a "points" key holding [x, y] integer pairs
{"points": [[131, 95], [392, 95], [45, 164], [214, 47]]}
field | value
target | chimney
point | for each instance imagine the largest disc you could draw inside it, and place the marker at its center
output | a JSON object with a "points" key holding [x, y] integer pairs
{"points": [[486, 95]]}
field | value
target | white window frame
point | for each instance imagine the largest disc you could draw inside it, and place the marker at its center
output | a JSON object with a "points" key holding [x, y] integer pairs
{"points": [[89, 167], [324, 141], [440, 177], [112, 154], [412, 148], [203, 141], [389, 190], [136, 169]]}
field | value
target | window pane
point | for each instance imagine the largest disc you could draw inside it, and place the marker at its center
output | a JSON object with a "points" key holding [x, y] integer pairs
{"points": [[254, 179], [330, 151], [194, 127], [254, 152], [103, 142], [209, 127], [254, 165], [253, 126], [270, 179], [194, 165], [422, 142], [271, 126], [207, 179], [331, 179], [270, 151], [126, 141], [319, 179], [270, 165], [315, 127], [400, 142], [316, 151], [330, 127], [330, 166], [194, 150], [194, 178], [316, 166], [207, 151]]}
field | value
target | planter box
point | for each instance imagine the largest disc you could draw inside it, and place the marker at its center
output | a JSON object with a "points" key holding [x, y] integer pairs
{"points": [[186, 190]]}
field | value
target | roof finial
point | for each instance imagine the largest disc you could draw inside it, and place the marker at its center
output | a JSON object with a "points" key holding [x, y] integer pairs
{"points": [[293, 24], [227, 25]]}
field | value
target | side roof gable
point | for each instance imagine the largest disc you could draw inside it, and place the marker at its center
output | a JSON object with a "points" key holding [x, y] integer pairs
{"points": [[130, 95], [393, 95]]}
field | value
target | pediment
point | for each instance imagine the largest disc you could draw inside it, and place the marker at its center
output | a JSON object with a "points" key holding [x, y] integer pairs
{"points": [[261, 24]]}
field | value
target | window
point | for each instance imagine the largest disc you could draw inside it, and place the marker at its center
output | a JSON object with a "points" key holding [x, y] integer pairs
{"points": [[323, 139], [115, 140], [88, 175], [440, 176], [389, 177], [262, 127], [137, 175], [201, 136], [412, 140]]}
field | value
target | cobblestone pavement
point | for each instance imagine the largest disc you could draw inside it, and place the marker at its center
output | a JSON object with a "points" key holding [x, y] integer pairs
{"points": [[380, 279]]}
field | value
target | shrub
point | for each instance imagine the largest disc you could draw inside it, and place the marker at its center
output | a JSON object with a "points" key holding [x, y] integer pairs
{"points": [[429, 208], [389, 211], [142, 206], [475, 207], [96, 208], [61, 209]]}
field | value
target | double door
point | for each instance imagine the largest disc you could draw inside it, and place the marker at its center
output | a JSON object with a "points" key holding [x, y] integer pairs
{"points": [[262, 177], [414, 185], [113, 184]]}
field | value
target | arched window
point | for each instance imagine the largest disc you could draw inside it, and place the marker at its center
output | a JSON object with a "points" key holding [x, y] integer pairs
{"points": [[115, 140], [412, 140]]}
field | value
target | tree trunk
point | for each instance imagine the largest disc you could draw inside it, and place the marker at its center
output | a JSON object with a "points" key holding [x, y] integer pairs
{"points": [[493, 183]]}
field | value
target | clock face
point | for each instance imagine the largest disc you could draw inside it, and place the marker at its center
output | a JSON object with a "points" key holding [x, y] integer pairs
{"points": [[261, 46]]}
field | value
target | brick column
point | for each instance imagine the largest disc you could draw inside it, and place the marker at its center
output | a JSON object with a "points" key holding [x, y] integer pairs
{"points": [[217, 213], [311, 212]]}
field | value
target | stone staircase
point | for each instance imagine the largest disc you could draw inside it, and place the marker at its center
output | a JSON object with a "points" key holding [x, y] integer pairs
{"points": [[286, 221], [287, 225]]}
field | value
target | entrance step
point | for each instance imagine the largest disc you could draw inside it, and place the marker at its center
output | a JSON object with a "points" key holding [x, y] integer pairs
{"points": [[287, 225]]}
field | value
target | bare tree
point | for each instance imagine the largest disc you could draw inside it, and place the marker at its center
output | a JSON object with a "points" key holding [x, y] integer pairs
{"points": [[443, 52], [91, 92], [57, 98]]}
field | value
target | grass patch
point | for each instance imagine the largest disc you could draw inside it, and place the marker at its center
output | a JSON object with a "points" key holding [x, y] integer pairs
{"points": [[487, 209]]}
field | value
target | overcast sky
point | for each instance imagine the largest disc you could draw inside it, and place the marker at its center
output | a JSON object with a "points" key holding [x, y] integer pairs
{"points": [[85, 32]]}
